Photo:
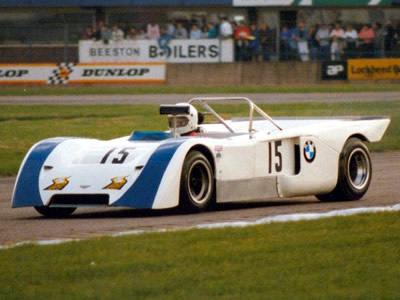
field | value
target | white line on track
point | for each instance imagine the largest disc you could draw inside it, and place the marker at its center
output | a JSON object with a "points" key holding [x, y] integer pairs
{"points": [[267, 220]]}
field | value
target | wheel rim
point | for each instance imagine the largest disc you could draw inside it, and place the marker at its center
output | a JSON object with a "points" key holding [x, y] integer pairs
{"points": [[358, 168], [199, 182]]}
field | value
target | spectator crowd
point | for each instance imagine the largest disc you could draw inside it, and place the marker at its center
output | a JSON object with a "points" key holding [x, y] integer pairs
{"points": [[253, 43], [336, 42]]}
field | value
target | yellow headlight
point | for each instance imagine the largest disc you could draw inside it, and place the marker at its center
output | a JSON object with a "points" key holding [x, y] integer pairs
{"points": [[58, 184], [116, 183]]}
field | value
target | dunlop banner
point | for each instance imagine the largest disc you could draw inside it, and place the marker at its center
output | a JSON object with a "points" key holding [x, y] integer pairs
{"points": [[69, 73], [25, 73], [372, 69]]}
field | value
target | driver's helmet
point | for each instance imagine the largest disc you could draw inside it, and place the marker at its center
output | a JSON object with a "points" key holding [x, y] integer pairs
{"points": [[184, 123]]}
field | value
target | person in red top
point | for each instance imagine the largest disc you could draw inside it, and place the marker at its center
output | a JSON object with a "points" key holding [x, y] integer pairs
{"points": [[367, 36], [242, 32], [242, 35]]}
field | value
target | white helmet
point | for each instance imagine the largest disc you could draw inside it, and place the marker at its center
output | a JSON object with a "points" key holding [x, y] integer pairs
{"points": [[184, 123]]}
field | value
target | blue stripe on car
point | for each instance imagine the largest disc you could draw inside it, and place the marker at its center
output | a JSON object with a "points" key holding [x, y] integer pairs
{"points": [[143, 192], [27, 188]]}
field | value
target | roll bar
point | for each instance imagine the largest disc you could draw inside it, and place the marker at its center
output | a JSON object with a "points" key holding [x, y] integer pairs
{"points": [[202, 101]]}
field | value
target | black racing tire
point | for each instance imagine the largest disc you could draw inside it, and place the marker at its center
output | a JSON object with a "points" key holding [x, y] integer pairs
{"points": [[197, 183], [55, 212], [355, 173]]}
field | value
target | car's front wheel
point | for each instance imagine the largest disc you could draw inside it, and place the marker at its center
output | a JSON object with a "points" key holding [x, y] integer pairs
{"points": [[197, 182], [55, 212], [355, 173]]}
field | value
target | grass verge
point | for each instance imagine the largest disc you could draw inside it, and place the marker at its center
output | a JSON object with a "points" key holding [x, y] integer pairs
{"points": [[163, 89], [339, 258], [23, 126]]}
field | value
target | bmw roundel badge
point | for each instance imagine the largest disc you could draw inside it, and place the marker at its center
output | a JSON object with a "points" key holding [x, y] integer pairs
{"points": [[309, 151]]}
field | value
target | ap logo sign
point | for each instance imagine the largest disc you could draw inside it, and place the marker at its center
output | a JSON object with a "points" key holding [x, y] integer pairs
{"points": [[334, 70]]}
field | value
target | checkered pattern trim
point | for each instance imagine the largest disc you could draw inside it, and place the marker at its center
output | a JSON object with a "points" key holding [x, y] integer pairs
{"points": [[61, 74]]}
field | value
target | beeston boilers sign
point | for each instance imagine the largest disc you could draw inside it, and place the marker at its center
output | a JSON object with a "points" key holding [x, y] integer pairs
{"points": [[177, 51], [69, 73]]}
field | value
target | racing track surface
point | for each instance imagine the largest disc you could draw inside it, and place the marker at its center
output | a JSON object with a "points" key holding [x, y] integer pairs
{"points": [[175, 98], [24, 224]]}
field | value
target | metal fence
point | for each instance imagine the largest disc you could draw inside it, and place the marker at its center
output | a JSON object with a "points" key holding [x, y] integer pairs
{"points": [[28, 47]]}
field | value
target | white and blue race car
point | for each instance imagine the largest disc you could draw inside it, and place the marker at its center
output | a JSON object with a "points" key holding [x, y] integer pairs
{"points": [[196, 164]]}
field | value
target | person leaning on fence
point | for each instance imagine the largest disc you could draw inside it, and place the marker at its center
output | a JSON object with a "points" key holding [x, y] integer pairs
{"points": [[313, 43], [124, 27], [367, 37], [284, 43], [293, 46], [106, 34], [350, 37], [212, 31], [97, 30], [153, 31], [195, 32], [242, 35], [170, 28], [163, 41], [337, 36], [254, 39], [324, 42], [302, 41], [117, 34], [132, 34], [266, 40], [389, 39], [225, 29], [180, 32]]}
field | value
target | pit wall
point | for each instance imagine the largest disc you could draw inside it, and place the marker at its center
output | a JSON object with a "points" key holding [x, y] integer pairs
{"points": [[231, 74]]}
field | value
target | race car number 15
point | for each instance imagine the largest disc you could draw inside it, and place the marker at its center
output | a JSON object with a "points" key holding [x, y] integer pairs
{"points": [[277, 157], [119, 159]]}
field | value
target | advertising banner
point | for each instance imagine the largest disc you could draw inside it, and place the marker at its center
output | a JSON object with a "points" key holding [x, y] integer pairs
{"points": [[372, 69], [177, 51], [334, 70], [326, 3], [69, 73], [25, 73]]}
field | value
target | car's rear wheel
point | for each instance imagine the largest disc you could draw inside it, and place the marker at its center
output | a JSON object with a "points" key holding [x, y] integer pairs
{"points": [[355, 172], [55, 212], [197, 182]]}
